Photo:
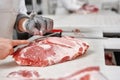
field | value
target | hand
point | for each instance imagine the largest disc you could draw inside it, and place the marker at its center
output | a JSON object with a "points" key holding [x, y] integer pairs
{"points": [[6, 46], [39, 25]]}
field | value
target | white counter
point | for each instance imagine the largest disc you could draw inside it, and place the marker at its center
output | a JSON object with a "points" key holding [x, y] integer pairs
{"points": [[107, 23], [93, 57], [112, 43]]}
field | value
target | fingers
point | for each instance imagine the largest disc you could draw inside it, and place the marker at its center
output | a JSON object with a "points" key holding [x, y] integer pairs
{"points": [[37, 32], [42, 24], [46, 24], [11, 51], [49, 24], [39, 25], [30, 26], [19, 42]]}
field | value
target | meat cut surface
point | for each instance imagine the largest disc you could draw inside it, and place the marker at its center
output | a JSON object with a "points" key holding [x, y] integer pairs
{"points": [[88, 73], [23, 74], [50, 51]]}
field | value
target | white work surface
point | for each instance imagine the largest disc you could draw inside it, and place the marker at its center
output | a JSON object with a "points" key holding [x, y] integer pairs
{"points": [[93, 57], [107, 23], [112, 43]]}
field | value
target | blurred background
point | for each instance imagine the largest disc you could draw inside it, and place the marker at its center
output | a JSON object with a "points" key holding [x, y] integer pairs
{"points": [[50, 6]]}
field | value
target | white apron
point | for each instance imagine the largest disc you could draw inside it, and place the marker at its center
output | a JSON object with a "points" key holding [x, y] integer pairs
{"points": [[8, 14]]}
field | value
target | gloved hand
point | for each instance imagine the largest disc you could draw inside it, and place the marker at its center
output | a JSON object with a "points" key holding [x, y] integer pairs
{"points": [[6, 46], [38, 25]]}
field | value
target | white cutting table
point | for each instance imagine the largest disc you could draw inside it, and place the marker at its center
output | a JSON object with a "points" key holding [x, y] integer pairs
{"points": [[105, 23], [93, 57]]}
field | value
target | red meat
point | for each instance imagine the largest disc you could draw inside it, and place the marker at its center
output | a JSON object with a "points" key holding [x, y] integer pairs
{"points": [[88, 73], [50, 51], [24, 74]]}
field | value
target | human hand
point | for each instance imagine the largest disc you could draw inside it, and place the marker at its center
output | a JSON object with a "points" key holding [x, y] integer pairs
{"points": [[39, 25], [6, 46]]}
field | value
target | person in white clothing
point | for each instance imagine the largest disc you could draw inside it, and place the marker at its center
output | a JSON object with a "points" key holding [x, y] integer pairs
{"points": [[22, 7], [74, 6], [13, 14]]}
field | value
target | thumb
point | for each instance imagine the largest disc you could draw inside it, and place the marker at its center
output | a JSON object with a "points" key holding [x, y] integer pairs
{"points": [[19, 42]]}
